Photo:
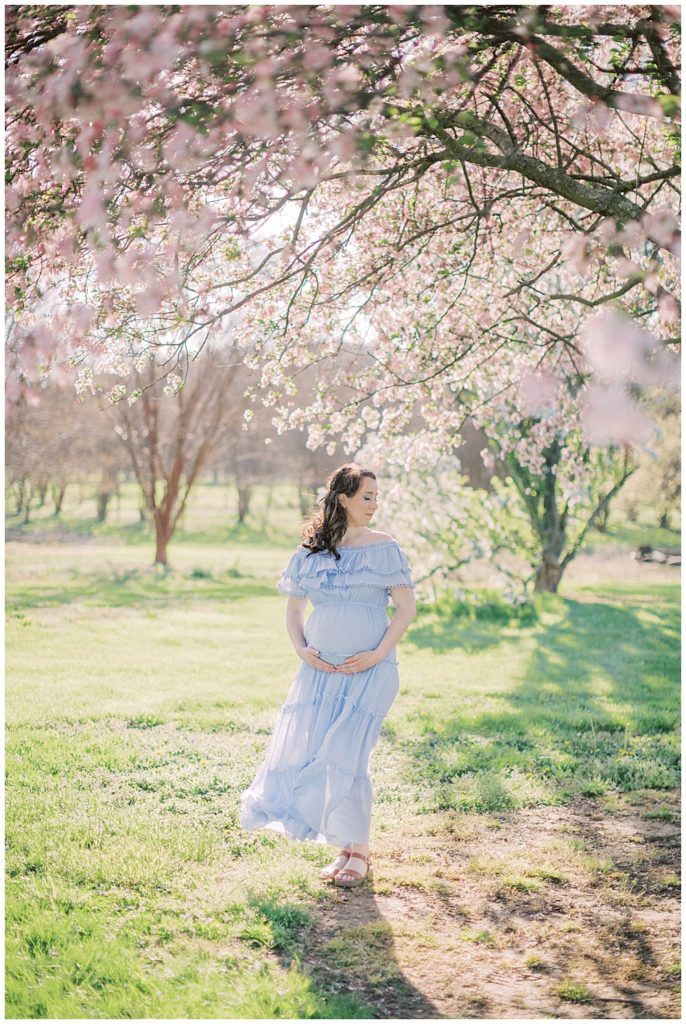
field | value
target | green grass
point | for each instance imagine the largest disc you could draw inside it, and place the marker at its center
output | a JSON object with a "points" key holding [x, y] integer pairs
{"points": [[211, 519], [574, 992], [578, 702], [139, 705], [632, 535]]}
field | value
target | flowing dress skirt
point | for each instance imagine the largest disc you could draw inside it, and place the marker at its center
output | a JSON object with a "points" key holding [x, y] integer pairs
{"points": [[314, 781]]}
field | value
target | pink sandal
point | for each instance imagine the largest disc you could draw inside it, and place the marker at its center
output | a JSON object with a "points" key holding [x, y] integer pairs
{"points": [[330, 871], [358, 878]]}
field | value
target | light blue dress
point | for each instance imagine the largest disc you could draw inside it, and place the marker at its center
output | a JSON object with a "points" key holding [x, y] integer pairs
{"points": [[314, 781]]}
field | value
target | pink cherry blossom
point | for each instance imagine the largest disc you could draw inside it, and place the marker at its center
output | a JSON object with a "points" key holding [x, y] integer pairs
{"points": [[520, 240], [661, 225], [576, 249], [610, 417], [616, 347], [150, 300], [538, 391], [668, 308], [91, 212], [199, 137]]}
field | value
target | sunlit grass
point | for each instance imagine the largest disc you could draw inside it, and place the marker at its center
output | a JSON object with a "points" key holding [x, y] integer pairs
{"points": [[140, 703]]}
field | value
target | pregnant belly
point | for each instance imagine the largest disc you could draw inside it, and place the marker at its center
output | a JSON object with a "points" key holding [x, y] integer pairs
{"points": [[342, 629]]}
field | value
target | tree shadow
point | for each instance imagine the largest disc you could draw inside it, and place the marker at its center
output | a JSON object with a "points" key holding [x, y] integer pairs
{"points": [[471, 635], [557, 722], [347, 948], [604, 931], [135, 588]]}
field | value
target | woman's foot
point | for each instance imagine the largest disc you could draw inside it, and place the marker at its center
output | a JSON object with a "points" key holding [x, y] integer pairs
{"points": [[331, 870], [355, 871]]}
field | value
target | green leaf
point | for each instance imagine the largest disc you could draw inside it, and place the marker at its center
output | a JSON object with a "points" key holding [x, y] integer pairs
{"points": [[670, 104], [468, 139], [466, 118], [367, 141]]}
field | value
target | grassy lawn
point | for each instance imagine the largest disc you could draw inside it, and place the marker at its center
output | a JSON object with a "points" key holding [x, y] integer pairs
{"points": [[526, 794]]}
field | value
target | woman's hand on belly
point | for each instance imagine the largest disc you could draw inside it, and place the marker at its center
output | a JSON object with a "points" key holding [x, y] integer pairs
{"points": [[359, 662], [311, 657]]}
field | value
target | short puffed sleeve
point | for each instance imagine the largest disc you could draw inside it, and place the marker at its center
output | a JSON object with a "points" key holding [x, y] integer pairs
{"points": [[289, 582], [401, 574]]}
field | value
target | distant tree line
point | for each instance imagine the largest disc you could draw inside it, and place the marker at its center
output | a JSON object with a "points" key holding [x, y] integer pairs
{"points": [[167, 442], [205, 428]]}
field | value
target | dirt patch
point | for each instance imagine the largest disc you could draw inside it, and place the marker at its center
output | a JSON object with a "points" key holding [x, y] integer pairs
{"points": [[546, 912], [616, 565]]}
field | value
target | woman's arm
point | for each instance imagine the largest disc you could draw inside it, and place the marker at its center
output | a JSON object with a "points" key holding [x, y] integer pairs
{"points": [[406, 609], [295, 622], [295, 625]]}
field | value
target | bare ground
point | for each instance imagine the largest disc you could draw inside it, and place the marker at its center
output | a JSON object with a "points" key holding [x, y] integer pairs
{"points": [[505, 916]]}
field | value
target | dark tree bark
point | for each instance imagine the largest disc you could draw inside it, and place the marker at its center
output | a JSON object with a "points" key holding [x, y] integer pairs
{"points": [[549, 518], [109, 482], [58, 490], [244, 494]]}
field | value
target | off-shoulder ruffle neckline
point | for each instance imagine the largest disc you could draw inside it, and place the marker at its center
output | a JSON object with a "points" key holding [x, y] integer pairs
{"points": [[360, 547], [354, 547], [385, 566]]}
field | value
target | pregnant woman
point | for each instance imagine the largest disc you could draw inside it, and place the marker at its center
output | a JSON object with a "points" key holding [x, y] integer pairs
{"points": [[314, 781]]}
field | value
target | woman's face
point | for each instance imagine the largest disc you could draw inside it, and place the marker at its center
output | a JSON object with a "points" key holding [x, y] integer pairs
{"points": [[360, 507]]}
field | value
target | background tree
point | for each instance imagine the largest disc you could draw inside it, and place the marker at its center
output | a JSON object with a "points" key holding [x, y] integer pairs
{"points": [[47, 447], [104, 461], [655, 489], [169, 440]]}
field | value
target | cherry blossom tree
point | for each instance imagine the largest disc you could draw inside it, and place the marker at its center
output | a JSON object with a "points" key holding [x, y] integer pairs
{"points": [[451, 196]]}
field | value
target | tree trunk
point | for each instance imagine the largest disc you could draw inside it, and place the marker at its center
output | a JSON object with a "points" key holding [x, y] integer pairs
{"points": [[108, 486], [553, 526], [21, 497], [42, 493], [548, 577], [549, 523], [602, 520], [58, 491], [102, 500], [244, 495], [162, 537], [664, 521], [632, 512]]}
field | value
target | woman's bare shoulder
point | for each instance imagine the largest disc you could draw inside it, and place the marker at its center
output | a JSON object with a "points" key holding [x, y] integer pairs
{"points": [[378, 535]]}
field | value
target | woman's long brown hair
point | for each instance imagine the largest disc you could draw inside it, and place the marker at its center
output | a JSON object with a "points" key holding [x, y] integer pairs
{"points": [[325, 530]]}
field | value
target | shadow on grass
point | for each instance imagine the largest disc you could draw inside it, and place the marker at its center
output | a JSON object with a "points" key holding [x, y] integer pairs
{"points": [[478, 623], [556, 903], [134, 589], [597, 708], [73, 529], [346, 948]]}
